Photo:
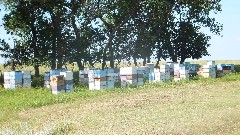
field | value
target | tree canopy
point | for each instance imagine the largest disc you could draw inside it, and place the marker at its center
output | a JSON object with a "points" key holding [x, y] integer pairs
{"points": [[55, 32]]}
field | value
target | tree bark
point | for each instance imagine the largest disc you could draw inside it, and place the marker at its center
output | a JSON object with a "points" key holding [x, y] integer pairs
{"points": [[53, 58], [111, 51], [36, 68], [182, 60], [148, 59], [174, 58], [80, 49], [104, 59], [80, 65], [144, 62], [135, 61], [34, 45]]}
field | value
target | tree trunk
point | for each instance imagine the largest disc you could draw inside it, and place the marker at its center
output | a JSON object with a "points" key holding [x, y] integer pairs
{"points": [[144, 62], [53, 61], [110, 46], [148, 59], [174, 58], [80, 49], [60, 62], [135, 61], [12, 65], [34, 45], [104, 59], [59, 50], [157, 64], [182, 60], [80, 65], [36, 68]]}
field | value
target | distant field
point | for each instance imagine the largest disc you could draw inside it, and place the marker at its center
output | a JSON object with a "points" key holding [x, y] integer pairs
{"points": [[201, 62], [203, 106], [124, 64]]}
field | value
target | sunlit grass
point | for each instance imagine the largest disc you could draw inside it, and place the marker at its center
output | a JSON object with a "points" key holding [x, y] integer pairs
{"points": [[198, 106]]}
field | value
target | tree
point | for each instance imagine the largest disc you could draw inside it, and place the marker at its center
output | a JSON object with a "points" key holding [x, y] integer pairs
{"points": [[21, 21], [186, 20], [190, 42], [113, 15]]}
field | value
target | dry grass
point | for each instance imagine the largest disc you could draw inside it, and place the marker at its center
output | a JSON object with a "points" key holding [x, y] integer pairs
{"points": [[191, 108]]}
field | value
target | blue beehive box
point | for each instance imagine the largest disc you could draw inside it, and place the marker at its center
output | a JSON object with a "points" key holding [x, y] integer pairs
{"points": [[57, 71], [231, 66], [193, 67], [54, 72], [220, 66], [186, 63], [151, 76], [100, 73], [69, 87], [16, 75]]}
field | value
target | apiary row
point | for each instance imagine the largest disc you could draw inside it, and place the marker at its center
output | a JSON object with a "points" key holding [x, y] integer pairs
{"points": [[61, 81], [17, 79]]}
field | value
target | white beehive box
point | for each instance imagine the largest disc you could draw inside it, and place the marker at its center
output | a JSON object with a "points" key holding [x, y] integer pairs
{"points": [[68, 75], [128, 70]]}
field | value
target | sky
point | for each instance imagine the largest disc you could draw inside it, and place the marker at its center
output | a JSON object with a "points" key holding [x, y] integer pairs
{"points": [[225, 47], [228, 46]]}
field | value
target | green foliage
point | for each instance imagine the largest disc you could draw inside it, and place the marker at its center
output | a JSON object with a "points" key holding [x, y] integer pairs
{"points": [[237, 68], [58, 32], [38, 81]]}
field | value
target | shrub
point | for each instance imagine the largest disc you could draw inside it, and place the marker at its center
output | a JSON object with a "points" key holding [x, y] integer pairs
{"points": [[237, 68], [37, 81]]}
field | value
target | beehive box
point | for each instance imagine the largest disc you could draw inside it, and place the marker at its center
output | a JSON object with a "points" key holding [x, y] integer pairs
{"points": [[13, 79], [97, 79], [159, 77], [151, 67], [26, 79], [57, 84], [68, 80], [83, 77], [47, 80]]}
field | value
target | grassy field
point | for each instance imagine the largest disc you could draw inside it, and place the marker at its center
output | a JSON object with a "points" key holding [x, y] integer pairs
{"points": [[202, 106]]}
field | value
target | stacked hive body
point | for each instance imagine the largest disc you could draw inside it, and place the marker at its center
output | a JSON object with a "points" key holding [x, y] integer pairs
{"points": [[192, 70], [112, 77], [116, 75], [129, 76], [223, 69], [26, 79], [171, 66], [13, 79], [157, 76], [97, 79], [47, 80], [145, 70], [57, 84], [209, 70], [56, 71], [68, 80], [140, 78], [151, 72], [180, 72], [165, 69], [83, 77], [151, 67]]}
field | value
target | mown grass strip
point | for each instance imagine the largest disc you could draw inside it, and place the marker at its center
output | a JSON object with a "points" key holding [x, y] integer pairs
{"points": [[21, 99]]}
